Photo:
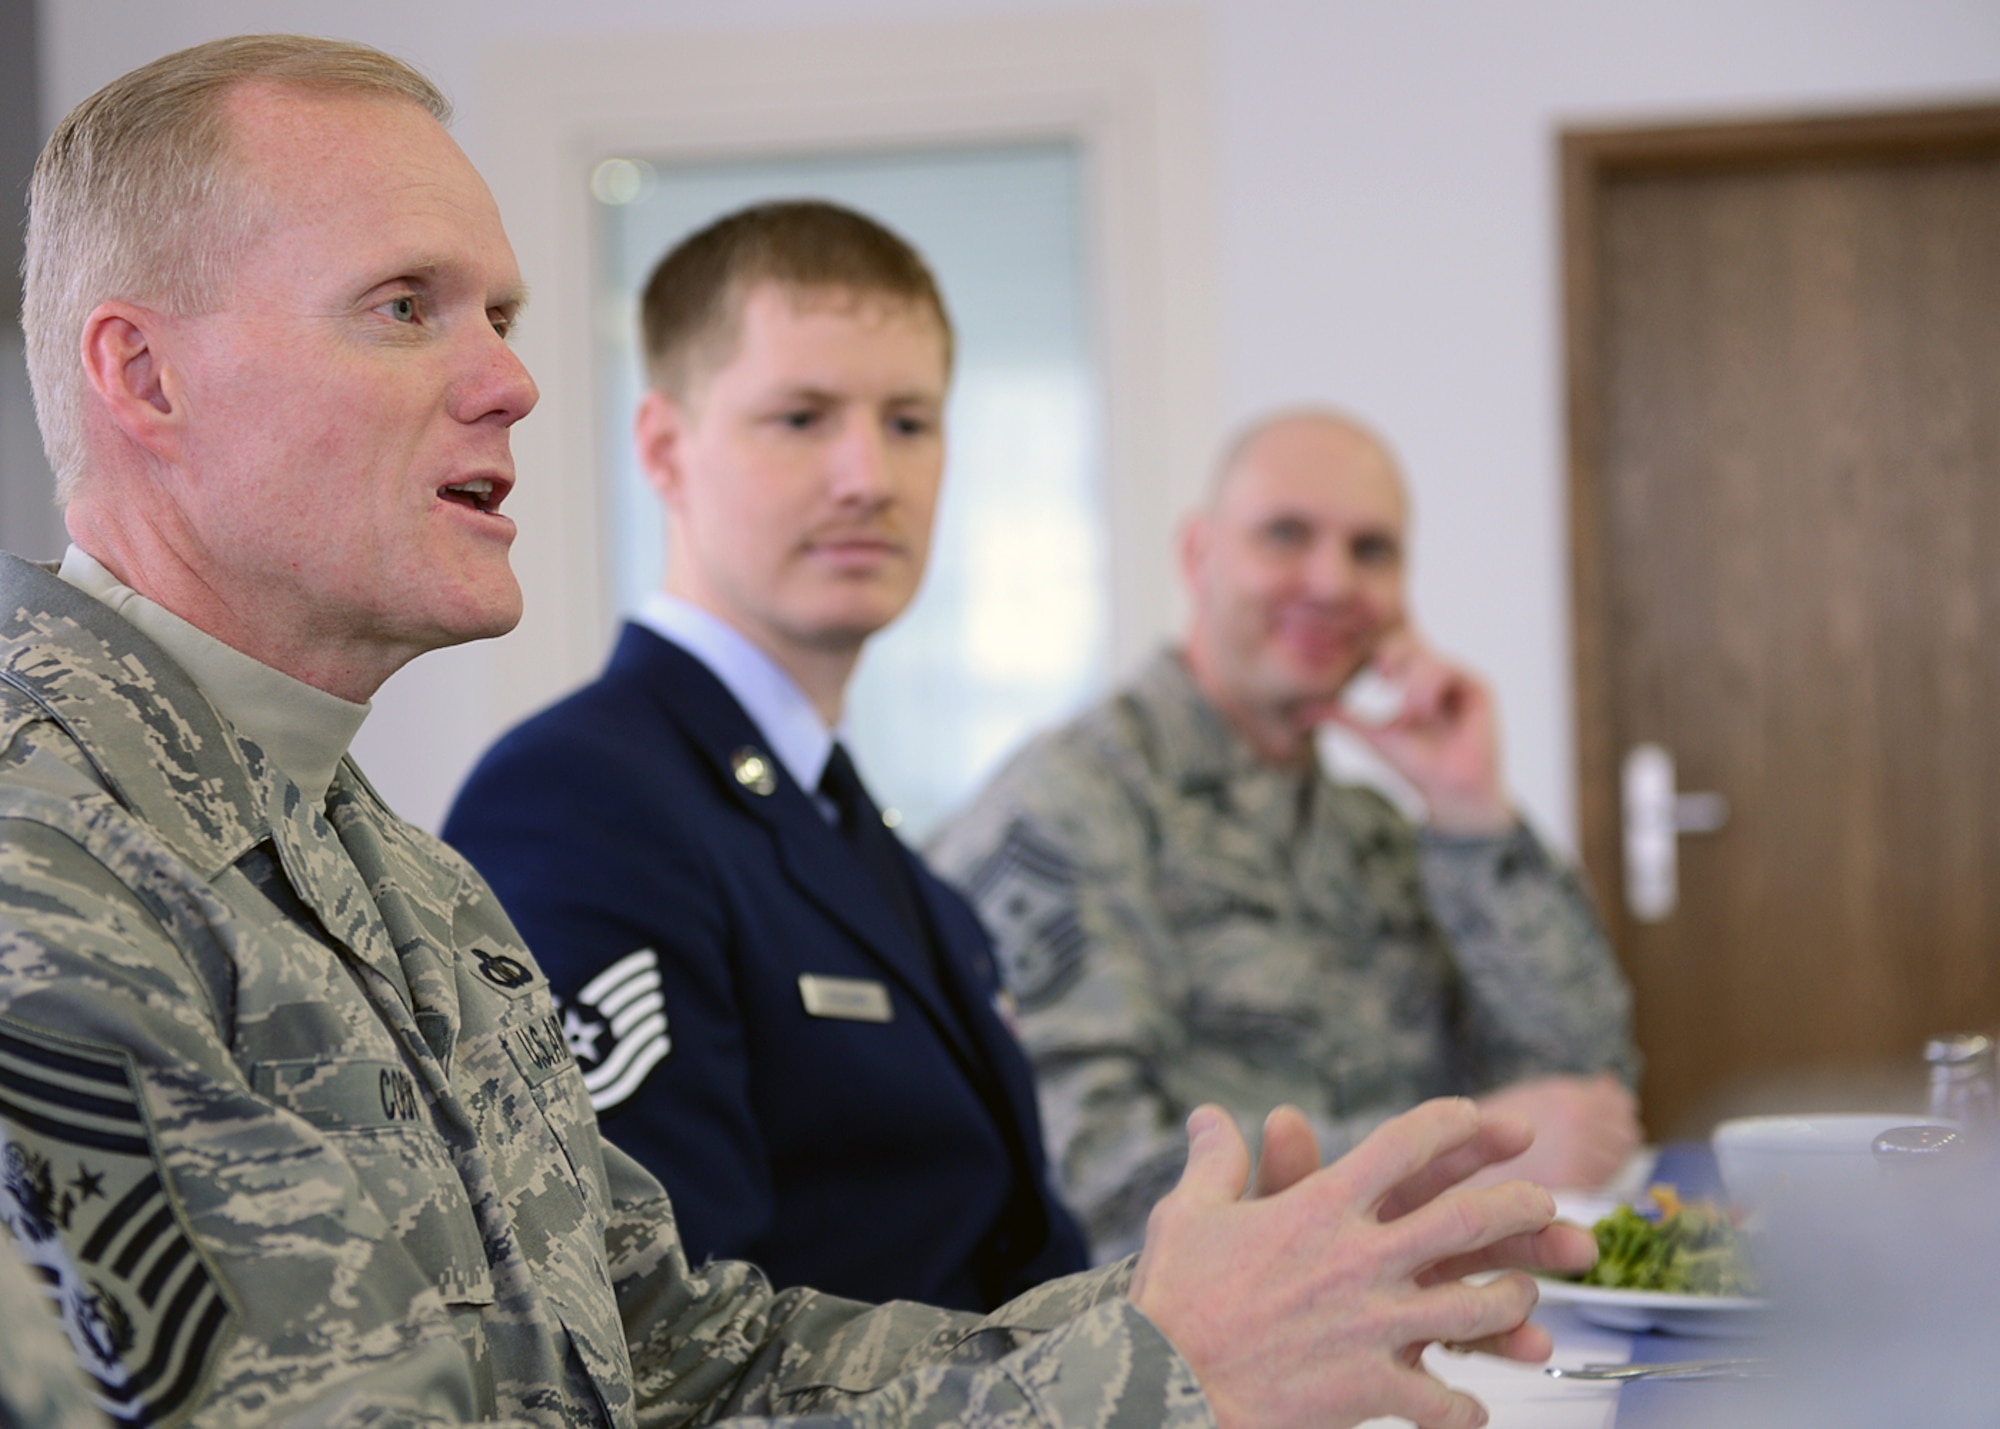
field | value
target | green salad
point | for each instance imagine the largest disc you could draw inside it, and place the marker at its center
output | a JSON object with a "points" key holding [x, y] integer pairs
{"points": [[1694, 1248]]}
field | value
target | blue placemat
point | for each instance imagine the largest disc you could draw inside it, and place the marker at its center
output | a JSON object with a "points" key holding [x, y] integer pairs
{"points": [[1689, 1167]]}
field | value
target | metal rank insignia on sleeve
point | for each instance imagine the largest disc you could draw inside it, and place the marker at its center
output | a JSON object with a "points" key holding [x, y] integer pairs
{"points": [[753, 770]]}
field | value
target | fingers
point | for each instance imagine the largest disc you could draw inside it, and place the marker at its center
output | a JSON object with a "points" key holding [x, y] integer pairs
{"points": [[1414, 1393], [1403, 1146], [1529, 1343], [1218, 1162], [1394, 652], [1489, 1318], [1557, 1249], [1433, 687], [1500, 1138], [1436, 1405], [1466, 1222], [1290, 1152]]}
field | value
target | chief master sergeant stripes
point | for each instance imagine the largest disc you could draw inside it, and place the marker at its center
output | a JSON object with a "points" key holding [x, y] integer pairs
{"points": [[40, 1384], [267, 299], [143, 1304]]}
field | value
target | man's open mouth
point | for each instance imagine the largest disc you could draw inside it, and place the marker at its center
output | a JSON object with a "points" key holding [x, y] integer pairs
{"points": [[481, 493]]}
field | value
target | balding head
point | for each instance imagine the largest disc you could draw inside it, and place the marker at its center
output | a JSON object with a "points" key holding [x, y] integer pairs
{"points": [[1311, 439], [1296, 572]]}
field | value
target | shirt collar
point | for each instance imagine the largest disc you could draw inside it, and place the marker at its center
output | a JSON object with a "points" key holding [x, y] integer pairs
{"points": [[776, 705], [1196, 741], [304, 731], [1204, 754]]}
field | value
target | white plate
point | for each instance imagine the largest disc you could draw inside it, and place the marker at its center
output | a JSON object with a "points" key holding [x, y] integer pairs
{"points": [[1641, 1310]]}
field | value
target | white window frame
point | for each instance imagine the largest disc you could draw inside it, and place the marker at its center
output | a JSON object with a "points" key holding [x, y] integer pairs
{"points": [[1128, 88]]}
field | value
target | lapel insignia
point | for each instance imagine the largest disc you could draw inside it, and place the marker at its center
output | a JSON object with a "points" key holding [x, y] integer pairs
{"points": [[624, 1004], [80, 1190], [753, 771]]}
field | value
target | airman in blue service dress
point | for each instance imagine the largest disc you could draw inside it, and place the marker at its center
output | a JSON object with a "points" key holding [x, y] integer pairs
{"points": [[824, 1089]]}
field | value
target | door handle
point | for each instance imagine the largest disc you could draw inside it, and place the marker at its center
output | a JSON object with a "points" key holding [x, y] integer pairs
{"points": [[1656, 815]]}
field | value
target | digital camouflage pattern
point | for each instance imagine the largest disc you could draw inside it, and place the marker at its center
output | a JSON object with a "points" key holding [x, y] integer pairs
{"points": [[291, 1130], [39, 1384], [1183, 923]]}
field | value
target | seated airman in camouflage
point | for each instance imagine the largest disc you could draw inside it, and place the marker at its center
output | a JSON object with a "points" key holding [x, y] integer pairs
{"points": [[291, 1131], [1189, 910]]}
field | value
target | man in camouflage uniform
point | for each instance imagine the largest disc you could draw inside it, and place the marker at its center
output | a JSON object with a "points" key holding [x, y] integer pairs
{"points": [[287, 1124], [1189, 910]]}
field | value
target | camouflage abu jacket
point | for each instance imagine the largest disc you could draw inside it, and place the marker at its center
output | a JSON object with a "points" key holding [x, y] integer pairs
{"points": [[293, 1134], [1182, 923]]}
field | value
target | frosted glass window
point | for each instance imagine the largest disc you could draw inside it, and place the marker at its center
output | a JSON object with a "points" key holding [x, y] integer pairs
{"points": [[1010, 631]]}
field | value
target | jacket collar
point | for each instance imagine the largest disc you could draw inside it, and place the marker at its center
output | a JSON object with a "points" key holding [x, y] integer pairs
{"points": [[1197, 752], [164, 753], [156, 742], [811, 854]]}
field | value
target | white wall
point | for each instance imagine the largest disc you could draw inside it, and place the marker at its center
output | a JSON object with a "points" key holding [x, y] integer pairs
{"points": [[1387, 231]]}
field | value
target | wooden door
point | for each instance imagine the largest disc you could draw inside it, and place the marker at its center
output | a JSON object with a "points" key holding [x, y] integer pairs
{"points": [[1784, 348]]}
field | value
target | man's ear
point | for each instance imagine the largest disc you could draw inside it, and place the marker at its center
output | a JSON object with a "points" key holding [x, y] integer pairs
{"points": [[1195, 535], [124, 358], [659, 435]]}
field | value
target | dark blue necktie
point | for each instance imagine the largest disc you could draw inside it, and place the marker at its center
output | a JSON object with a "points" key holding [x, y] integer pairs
{"points": [[862, 827]]}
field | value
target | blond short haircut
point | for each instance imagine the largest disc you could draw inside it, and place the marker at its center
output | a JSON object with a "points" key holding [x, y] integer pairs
{"points": [[693, 303], [137, 197]]}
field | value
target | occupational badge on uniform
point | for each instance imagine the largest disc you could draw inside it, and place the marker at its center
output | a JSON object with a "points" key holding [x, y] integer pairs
{"points": [[616, 1028], [501, 970], [754, 770], [1025, 891], [84, 1197]]}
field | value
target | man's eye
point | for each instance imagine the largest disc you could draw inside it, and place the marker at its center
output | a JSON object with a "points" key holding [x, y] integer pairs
{"points": [[1376, 551], [403, 309], [908, 426], [1287, 534], [801, 420], [503, 323]]}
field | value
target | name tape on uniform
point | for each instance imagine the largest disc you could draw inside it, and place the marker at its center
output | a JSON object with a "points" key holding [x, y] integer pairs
{"points": [[850, 999]]}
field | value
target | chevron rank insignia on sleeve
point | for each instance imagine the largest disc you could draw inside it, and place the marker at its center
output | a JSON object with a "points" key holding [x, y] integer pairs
{"points": [[81, 1192], [617, 1028]]}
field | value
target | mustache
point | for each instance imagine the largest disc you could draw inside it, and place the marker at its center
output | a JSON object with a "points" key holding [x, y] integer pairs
{"points": [[874, 532]]}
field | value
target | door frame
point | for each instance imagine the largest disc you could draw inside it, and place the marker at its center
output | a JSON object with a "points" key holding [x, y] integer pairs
{"points": [[1591, 160]]}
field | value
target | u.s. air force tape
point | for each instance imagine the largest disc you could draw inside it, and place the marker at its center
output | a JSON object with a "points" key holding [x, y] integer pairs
{"points": [[84, 1199], [617, 1027]]}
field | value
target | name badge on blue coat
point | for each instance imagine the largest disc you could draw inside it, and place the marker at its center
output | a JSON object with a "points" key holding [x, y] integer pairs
{"points": [[851, 999]]}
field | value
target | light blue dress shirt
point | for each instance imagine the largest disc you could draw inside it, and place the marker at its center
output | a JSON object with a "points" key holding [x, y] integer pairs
{"points": [[776, 705]]}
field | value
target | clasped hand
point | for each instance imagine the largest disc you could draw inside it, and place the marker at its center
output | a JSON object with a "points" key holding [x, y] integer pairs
{"points": [[1310, 1303]]}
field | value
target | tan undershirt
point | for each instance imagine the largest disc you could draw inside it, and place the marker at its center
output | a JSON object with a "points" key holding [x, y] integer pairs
{"points": [[303, 730]]}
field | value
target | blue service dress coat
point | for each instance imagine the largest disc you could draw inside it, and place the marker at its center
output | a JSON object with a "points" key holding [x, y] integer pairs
{"points": [[819, 1093]]}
